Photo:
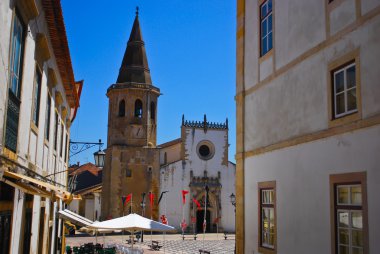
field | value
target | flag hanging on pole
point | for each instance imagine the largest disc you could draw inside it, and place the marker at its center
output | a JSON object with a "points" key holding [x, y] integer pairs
{"points": [[123, 198], [162, 194], [184, 192], [151, 198], [197, 203], [128, 198]]}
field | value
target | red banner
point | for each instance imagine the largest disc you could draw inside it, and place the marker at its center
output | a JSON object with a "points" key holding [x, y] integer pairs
{"points": [[164, 219], [197, 203], [129, 197], [184, 192], [151, 198]]}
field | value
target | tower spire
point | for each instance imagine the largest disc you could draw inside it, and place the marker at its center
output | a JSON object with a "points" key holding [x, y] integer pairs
{"points": [[134, 68]]}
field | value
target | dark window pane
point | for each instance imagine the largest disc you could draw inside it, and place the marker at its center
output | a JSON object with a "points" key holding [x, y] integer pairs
{"points": [[270, 41], [351, 77], [270, 23], [344, 249], [357, 238], [263, 10], [264, 45], [264, 30], [339, 82], [269, 6], [344, 237], [340, 104], [357, 251], [351, 99]]}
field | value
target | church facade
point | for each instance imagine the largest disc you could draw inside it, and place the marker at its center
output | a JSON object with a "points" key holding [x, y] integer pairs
{"points": [[136, 165]]}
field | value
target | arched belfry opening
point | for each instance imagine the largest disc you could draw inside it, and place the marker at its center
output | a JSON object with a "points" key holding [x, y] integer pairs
{"points": [[138, 108], [122, 108]]}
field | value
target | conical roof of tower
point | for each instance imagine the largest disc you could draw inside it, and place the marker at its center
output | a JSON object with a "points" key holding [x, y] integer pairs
{"points": [[134, 68]]}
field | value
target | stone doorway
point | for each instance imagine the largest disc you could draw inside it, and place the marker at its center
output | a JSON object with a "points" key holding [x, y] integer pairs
{"points": [[200, 217]]}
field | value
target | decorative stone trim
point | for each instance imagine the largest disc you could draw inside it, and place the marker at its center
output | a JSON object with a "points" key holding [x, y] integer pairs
{"points": [[28, 8], [58, 98], [52, 78], [42, 48]]}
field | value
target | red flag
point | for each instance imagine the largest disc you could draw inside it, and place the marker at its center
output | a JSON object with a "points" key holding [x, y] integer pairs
{"points": [[129, 197], [197, 203], [183, 225], [164, 219], [151, 198], [184, 192]]}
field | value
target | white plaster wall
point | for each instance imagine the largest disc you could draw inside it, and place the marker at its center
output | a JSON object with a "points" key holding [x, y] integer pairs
{"points": [[173, 153], [266, 68], [228, 187], [302, 189], [89, 209], [342, 16], [97, 205], [194, 136], [298, 26], [368, 5], [251, 46], [295, 103], [174, 178], [74, 206]]}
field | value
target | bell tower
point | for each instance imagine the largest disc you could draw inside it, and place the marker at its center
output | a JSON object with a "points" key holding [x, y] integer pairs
{"points": [[132, 159]]}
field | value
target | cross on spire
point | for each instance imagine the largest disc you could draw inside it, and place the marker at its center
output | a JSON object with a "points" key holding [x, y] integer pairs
{"points": [[137, 10]]}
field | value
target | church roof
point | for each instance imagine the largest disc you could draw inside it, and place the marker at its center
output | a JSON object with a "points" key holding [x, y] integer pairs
{"points": [[134, 68]]}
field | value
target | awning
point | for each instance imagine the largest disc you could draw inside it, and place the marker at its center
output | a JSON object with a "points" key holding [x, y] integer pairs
{"points": [[74, 218], [36, 187]]}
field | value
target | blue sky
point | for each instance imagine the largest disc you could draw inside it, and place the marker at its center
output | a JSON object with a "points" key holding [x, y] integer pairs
{"points": [[191, 54]]}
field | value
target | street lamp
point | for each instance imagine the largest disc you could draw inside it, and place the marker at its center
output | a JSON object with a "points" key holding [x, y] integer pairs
{"points": [[233, 202], [99, 157]]}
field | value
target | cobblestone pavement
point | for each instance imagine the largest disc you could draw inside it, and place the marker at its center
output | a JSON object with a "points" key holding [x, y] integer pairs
{"points": [[173, 243]]}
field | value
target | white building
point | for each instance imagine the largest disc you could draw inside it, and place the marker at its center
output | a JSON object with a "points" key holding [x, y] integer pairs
{"points": [[196, 160], [308, 126], [38, 102]]}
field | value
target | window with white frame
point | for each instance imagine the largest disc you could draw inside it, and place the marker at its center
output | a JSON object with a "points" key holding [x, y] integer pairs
{"points": [[344, 90], [266, 34], [37, 96], [349, 219], [267, 224]]}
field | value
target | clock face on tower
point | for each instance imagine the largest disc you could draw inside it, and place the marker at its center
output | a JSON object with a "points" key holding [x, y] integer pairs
{"points": [[137, 132]]}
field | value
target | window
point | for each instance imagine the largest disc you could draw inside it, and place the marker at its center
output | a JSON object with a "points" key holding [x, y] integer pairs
{"points": [[122, 108], [16, 60], [36, 96], [344, 90], [349, 217], [15, 73], [65, 155], [47, 117], [138, 108], [128, 172], [349, 213], [205, 150], [267, 227], [152, 111], [266, 34], [56, 130], [62, 131]]}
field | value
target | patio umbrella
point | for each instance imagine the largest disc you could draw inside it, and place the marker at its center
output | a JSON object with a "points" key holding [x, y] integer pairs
{"points": [[132, 222]]}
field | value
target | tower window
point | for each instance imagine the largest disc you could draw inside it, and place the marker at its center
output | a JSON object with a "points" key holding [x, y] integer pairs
{"points": [[138, 108], [152, 111], [122, 108]]}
